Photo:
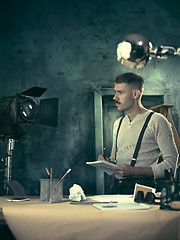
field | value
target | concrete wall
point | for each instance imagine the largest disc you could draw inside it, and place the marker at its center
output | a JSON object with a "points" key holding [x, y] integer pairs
{"points": [[69, 47]]}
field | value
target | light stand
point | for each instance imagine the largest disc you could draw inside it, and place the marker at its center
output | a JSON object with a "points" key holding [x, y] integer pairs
{"points": [[10, 148], [21, 114], [8, 161]]}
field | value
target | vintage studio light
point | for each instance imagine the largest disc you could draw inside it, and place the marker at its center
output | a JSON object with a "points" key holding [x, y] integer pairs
{"points": [[136, 50], [21, 114]]}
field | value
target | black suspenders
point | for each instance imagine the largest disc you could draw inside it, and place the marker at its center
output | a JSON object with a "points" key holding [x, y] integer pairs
{"points": [[117, 135], [138, 145]]}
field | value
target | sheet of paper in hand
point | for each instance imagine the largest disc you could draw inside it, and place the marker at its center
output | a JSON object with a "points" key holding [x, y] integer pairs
{"points": [[104, 165]]}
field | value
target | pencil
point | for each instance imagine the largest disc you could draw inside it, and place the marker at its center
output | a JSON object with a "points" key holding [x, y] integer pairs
{"points": [[48, 173], [65, 174]]}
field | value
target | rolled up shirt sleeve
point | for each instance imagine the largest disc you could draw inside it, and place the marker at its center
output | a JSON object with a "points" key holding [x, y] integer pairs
{"points": [[163, 134]]}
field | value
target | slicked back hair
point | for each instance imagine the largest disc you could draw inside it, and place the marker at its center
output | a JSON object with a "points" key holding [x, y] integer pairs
{"points": [[131, 79]]}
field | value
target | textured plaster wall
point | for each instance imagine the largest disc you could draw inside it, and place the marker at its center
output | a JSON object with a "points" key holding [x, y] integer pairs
{"points": [[69, 47]]}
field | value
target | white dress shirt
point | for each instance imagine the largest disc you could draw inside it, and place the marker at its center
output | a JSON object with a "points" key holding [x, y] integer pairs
{"points": [[158, 139]]}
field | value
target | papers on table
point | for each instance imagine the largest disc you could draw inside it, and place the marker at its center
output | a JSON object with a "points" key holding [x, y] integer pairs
{"points": [[121, 206], [119, 198], [18, 199], [117, 201]]}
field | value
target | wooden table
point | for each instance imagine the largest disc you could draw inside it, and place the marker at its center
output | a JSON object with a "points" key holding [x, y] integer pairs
{"points": [[35, 221]]}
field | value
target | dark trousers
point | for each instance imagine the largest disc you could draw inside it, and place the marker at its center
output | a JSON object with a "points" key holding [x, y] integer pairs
{"points": [[126, 186]]}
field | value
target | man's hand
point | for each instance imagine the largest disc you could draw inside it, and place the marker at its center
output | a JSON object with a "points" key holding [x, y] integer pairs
{"points": [[101, 157], [125, 170]]}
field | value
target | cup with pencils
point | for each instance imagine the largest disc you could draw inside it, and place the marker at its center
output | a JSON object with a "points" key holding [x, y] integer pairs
{"points": [[51, 190]]}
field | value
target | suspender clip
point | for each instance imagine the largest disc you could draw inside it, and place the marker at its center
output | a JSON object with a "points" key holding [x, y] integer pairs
{"points": [[133, 162]]}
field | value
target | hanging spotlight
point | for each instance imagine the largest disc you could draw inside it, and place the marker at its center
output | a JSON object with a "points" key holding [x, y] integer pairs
{"points": [[136, 50]]}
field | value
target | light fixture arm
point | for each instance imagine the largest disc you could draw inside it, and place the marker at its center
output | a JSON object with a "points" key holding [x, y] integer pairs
{"points": [[163, 52], [135, 50]]}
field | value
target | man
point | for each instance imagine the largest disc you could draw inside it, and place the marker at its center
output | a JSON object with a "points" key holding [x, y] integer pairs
{"points": [[157, 139]]}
